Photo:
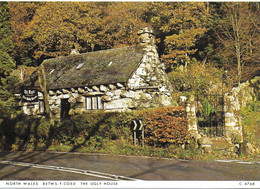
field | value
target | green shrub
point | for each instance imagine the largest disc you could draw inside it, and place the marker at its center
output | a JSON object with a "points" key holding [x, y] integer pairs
{"points": [[254, 106], [196, 80], [81, 129], [250, 117], [96, 131]]}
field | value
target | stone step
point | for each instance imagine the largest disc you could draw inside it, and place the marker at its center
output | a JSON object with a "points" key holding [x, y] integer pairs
{"points": [[220, 143]]}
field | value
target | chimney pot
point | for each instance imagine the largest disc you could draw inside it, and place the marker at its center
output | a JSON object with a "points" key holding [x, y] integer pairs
{"points": [[74, 52]]}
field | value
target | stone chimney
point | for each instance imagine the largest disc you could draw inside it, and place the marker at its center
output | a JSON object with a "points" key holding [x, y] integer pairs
{"points": [[146, 36]]}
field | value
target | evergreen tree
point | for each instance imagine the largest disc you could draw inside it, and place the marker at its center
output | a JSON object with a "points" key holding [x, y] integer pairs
{"points": [[7, 65], [6, 62]]}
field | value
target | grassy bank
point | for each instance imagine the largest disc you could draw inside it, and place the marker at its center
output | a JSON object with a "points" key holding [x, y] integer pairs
{"points": [[108, 133]]}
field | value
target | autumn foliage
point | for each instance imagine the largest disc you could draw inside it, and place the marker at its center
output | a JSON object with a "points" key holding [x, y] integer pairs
{"points": [[165, 126]]}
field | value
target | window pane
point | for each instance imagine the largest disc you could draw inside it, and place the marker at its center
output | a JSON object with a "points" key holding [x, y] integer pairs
{"points": [[94, 103], [41, 106], [88, 103], [100, 103]]}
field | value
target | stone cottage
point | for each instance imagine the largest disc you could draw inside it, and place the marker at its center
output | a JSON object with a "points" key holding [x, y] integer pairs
{"points": [[119, 79]]}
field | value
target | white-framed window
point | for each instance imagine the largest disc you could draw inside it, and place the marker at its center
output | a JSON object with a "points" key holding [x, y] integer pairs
{"points": [[94, 103], [41, 106]]}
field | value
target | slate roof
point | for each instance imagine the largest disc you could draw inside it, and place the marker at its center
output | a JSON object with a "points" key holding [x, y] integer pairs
{"points": [[88, 69]]}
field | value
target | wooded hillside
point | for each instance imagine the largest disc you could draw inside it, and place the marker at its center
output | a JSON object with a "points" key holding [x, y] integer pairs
{"points": [[224, 35]]}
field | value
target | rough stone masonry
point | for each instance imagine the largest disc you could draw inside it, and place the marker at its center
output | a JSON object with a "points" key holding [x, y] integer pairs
{"points": [[120, 79]]}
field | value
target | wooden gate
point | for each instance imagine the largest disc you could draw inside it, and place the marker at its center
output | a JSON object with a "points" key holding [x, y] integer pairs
{"points": [[210, 115]]}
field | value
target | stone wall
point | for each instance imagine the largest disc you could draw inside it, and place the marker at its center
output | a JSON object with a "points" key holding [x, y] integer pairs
{"points": [[248, 91], [191, 114], [116, 97], [233, 124], [232, 117]]}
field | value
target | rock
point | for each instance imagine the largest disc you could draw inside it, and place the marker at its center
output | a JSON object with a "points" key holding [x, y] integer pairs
{"points": [[81, 90], [164, 100], [93, 93], [80, 99], [117, 92], [154, 78], [206, 148], [65, 96], [51, 93], [120, 104], [95, 88], [79, 111], [144, 104], [141, 71], [112, 87], [88, 89], [55, 111], [72, 100], [196, 136], [164, 89], [145, 96], [127, 94], [57, 102], [120, 85], [103, 88], [71, 112], [40, 94], [204, 141], [75, 95], [106, 98], [65, 91], [109, 93], [58, 92]]}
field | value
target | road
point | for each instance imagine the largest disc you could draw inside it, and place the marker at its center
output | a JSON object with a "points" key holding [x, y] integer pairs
{"points": [[77, 166]]}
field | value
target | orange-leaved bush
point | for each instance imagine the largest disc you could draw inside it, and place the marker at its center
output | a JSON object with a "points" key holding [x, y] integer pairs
{"points": [[165, 126]]}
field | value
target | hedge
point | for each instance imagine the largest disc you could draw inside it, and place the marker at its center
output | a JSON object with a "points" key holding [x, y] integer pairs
{"points": [[163, 126]]}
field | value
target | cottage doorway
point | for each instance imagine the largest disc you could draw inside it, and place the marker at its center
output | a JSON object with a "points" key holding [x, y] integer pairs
{"points": [[65, 108]]}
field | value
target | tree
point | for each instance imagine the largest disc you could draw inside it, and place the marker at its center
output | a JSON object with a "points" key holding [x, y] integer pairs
{"points": [[58, 26], [21, 15], [181, 25], [238, 34], [50, 29], [6, 62], [121, 22]]}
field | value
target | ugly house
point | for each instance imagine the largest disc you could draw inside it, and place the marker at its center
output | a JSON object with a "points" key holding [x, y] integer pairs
{"points": [[119, 79]]}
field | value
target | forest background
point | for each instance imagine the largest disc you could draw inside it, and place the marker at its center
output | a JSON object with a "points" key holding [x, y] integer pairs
{"points": [[197, 41]]}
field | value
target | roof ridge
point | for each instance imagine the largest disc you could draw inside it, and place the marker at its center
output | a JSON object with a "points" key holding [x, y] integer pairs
{"points": [[85, 53], [107, 50]]}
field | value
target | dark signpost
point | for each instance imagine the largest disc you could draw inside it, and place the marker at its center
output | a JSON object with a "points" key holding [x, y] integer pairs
{"points": [[29, 95], [138, 131]]}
